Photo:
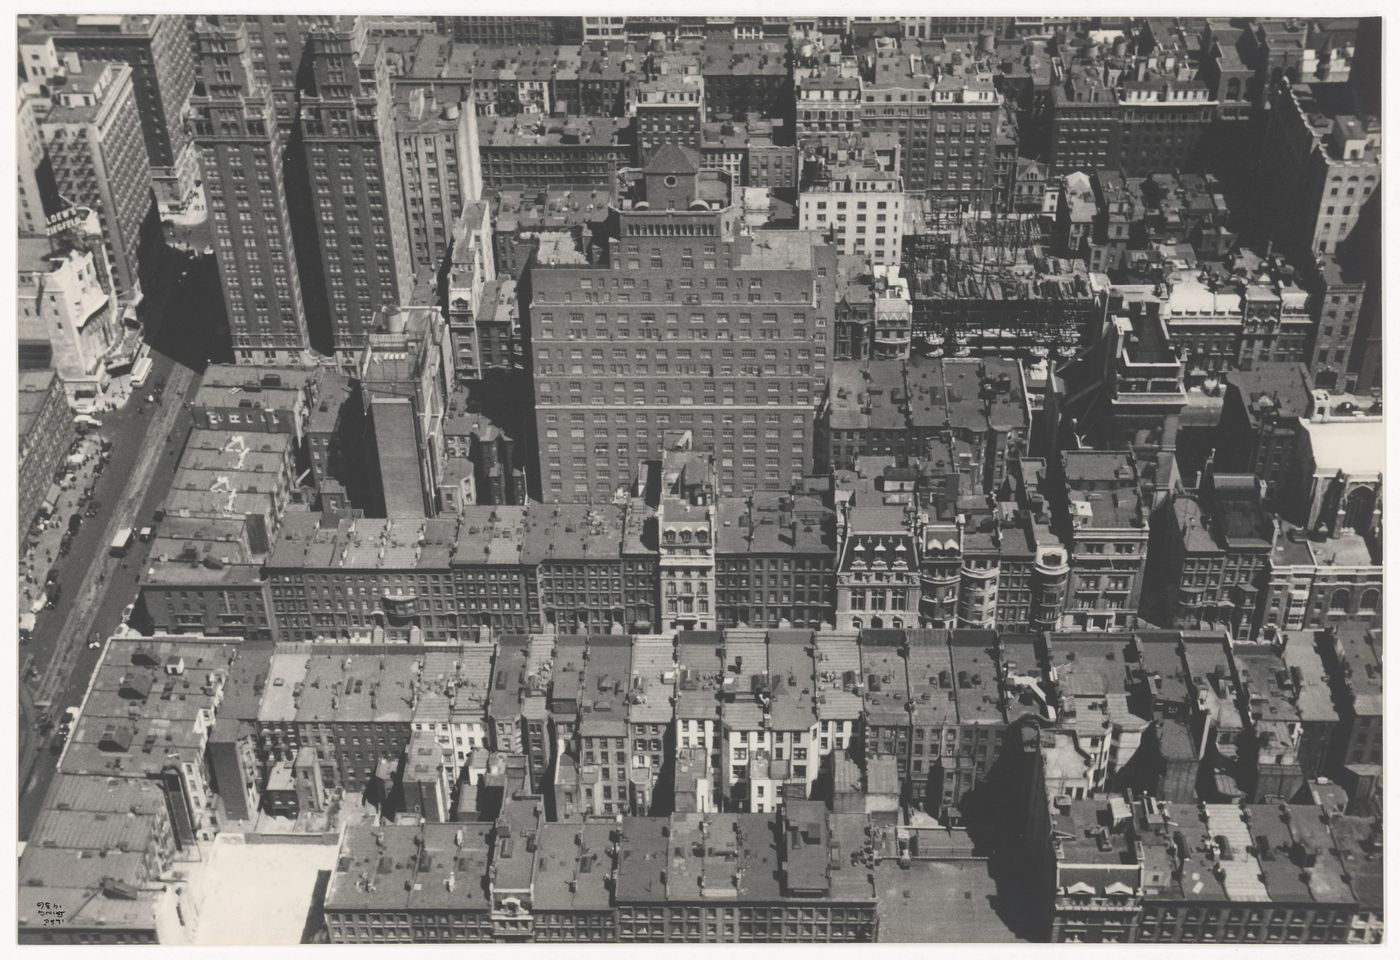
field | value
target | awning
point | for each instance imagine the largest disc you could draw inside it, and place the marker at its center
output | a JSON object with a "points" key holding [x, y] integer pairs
{"points": [[51, 498]]}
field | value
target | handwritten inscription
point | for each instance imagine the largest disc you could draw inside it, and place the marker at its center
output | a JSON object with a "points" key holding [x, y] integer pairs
{"points": [[50, 914]]}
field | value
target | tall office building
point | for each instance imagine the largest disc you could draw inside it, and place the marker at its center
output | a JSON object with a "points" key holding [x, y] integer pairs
{"points": [[276, 44], [440, 164], [1321, 164], [32, 168], [685, 322], [347, 132], [234, 123], [92, 135], [157, 49]]}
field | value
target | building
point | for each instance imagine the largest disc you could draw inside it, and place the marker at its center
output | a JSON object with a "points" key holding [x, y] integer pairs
{"points": [[617, 369], [746, 770], [877, 568], [469, 268], [204, 577], [67, 298], [574, 871], [1231, 874], [602, 750], [699, 737], [45, 432], [1209, 557], [1290, 724], [158, 50], [1318, 581], [1098, 875], [842, 209], [747, 78], [883, 685], [983, 287], [512, 31], [669, 108], [649, 722], [955, 723], [1119, 109], [92, 136], [944, 113], [150, 691], [357, 194], [535, 152], [35, 197], [742, 878], [1337, 468], [440, 168], [227, 475], [1338, 292], [399, 884], [235, 125], [792, 710], [685, 524], [1100, 516], [1321, 166], [258, 399], [585, 585], [95, 856], [1260, 422], [1351, 655], [774, 559], [828, 101], [403, 371]]}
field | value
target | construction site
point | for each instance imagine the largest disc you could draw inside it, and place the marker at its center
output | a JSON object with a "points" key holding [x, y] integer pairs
{"points": [[983, 285]]}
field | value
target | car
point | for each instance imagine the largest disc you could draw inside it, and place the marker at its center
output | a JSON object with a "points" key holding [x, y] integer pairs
{"points": [[94, 642], [52, 577], [92, 509], [75, 522], [127, 611]]}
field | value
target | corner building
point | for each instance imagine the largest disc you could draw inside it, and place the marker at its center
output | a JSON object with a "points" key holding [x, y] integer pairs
{"points": [[684, 322]]}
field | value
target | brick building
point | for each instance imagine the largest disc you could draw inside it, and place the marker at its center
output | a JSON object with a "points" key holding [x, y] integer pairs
{"points": [[671, 334]]}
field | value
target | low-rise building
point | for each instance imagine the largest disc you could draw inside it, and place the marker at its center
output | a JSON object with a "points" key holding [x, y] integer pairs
{"points": [[1100, 516], [742, 878], [45, 432], [1098, 873], [400, 884], [774, 558]]}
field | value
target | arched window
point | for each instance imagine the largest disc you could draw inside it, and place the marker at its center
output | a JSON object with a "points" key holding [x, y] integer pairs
{"points": [[1361, 504], [1341, 600], [1370, 601]]}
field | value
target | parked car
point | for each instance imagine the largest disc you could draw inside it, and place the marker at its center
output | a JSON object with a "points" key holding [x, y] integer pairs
{"points": [[75, 522], [127, 611]]}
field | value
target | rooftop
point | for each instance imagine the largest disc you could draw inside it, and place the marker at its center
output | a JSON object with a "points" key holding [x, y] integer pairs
{"points": [[435, 866], [883, 670]]}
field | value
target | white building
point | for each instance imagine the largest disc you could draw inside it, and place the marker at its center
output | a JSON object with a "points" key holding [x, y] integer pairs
{"points": [[65, 296], [860, 209]]}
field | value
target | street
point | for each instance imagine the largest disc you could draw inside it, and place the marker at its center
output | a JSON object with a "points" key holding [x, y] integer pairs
{"points": [[146, 444], [96, 586]]}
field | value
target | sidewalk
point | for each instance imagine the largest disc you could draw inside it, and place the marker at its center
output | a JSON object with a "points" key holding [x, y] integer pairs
{"points": [[35, 563]]}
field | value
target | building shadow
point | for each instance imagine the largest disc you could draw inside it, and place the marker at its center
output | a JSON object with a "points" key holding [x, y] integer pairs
{"points": [[314, 930]]}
